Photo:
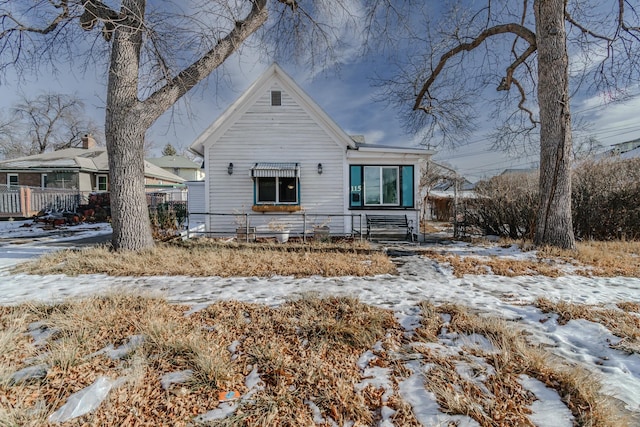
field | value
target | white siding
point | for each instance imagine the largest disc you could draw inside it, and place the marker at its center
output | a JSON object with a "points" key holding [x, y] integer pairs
{"points": [[265, 133], [196, 204], [84, 182]]}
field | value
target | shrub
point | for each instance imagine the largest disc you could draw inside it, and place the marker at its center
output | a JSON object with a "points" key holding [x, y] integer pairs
{"points": [[167, 219], [605, 201], [97, 208], [506, 205]]}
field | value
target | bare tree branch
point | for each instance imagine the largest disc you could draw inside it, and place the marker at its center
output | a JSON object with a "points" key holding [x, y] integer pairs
{"points": [[585, 30], [516, 29], [162, 99], [20, 27], [621, 20]]}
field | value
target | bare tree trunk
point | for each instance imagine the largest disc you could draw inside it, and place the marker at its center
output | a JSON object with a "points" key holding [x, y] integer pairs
{"points": [[554, 224], [125, 138]]}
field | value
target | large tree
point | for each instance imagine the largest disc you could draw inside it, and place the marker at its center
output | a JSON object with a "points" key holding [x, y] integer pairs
{"points": [[157, 51], [523, 48], [49, 121], [8, 130]]}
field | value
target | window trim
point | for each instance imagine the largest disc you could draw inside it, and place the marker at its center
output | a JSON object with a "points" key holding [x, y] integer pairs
{"points": [[276, 98], [106, 182], [11, 175], [381, 186], [277, 201], [355, 189], [43, 180]]}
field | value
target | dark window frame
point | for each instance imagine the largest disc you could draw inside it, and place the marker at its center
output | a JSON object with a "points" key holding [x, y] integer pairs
{"points": [[106, 182], [276, 98], [17, 179], [277, 189], [356, 188]]}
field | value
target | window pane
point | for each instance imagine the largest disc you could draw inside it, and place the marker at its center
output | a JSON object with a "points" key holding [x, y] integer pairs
{"points": [[371, 185], [407, 186], [266, 190], [356, 186], [276, 97], [390, 186], [287, 190], [102, 183]]}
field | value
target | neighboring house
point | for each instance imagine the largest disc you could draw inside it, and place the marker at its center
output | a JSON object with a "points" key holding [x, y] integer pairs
{"points": [[181, 166], [84, 169], [624, 150], [521, 171], [443, 197], [276, 152], [625, 147]]}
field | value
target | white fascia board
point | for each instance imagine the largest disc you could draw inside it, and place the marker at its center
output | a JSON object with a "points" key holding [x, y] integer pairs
{"points": [[197, 146], [400, 150], [386, 157], [250, 96], [330, 126]]}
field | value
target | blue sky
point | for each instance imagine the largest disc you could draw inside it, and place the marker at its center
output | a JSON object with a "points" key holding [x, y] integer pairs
{"points": [[345, 93]]}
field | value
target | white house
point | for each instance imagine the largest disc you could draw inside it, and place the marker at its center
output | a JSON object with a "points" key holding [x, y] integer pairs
{"points": [[179, 165], [275, 154]]}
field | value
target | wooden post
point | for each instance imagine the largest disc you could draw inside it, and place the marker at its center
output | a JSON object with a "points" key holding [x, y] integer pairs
{"points": [[25, 201]]}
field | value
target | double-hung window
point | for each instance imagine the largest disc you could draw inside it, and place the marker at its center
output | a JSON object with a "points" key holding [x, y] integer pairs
{"points": [[12, 180], [101, 181]]}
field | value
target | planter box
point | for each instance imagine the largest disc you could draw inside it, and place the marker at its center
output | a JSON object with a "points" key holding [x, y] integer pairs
{"points": [[282, 236], [276, 208], [242, 236], [321, 233]]}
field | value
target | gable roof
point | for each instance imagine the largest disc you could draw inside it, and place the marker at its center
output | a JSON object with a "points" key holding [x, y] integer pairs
{"points": [[519, 171], [153, 171], [93, 160], [174, 162], [273, 74], [623, 147], [84, 159]]}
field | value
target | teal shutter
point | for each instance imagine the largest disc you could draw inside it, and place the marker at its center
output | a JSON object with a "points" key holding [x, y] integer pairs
{"points": [[407, 186], [355, 186]]}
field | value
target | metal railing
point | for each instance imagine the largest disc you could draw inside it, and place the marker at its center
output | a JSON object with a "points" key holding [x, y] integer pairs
{"points": [[250, 226]]}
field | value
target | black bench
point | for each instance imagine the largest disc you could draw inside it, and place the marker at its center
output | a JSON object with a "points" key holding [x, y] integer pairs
{"points": [[387, 227]]}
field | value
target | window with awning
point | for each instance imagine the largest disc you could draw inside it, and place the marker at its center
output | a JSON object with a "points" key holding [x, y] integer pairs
{"points": [[275, 170], [276, 183]]}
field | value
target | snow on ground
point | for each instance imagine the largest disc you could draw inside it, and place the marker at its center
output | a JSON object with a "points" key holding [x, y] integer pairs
{"points": [[419, 279], [24, 240]]}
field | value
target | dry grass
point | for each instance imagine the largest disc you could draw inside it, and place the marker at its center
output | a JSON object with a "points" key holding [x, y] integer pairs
{"points": [[502, 400], [493, 265], [305, 350], [216, 260], [604, 259], [434, 227], [621, 323], [598, 258]]}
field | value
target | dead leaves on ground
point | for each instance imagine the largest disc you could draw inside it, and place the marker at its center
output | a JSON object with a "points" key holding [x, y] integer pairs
{"points": [[306, 352]]}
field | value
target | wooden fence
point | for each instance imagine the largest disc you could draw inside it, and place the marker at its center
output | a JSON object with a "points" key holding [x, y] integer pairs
{"points": [[25, 202]]}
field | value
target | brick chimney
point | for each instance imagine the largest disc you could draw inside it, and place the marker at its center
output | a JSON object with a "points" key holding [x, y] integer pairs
{"points": [[88, 141]]}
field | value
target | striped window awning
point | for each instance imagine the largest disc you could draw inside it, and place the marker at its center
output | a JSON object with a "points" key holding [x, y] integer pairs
{"points": [[275, 170]]}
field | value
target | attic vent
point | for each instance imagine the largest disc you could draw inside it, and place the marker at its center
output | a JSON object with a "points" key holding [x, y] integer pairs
{"points": [[276, 97]]}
